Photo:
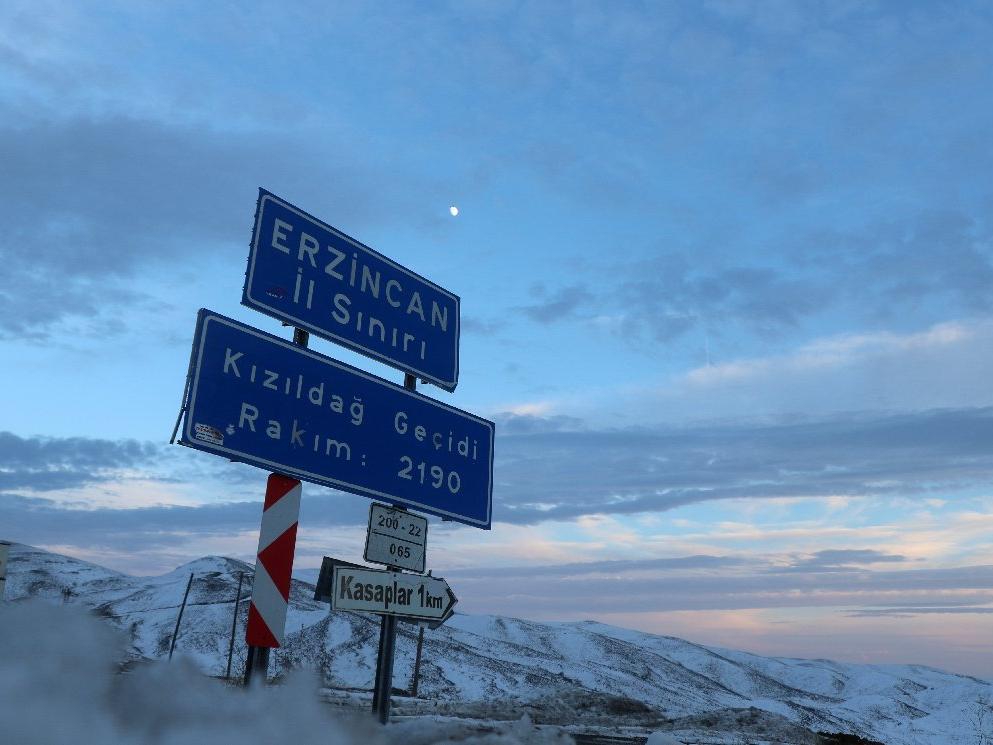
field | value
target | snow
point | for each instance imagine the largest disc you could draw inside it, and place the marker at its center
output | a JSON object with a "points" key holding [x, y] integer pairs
{"points": [[661, 738], [59, 683], [488, 667]]}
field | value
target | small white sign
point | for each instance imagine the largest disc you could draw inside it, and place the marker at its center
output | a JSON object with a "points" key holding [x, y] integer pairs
{"points": [[396, 538], [391, 593]]}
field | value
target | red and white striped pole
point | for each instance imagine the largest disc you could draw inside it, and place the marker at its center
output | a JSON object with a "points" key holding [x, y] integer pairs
{"points": [[273, 568]]}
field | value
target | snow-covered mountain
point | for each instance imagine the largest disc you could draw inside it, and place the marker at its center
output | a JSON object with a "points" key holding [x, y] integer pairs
{"points": [[488, 661]]}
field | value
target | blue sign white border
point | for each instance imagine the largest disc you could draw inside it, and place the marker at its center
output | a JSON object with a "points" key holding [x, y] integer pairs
{"points": [[205, 316], [281, 315]]}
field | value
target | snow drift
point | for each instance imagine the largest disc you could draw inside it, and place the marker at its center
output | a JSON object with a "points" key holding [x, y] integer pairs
{"points": [[486, 661]]}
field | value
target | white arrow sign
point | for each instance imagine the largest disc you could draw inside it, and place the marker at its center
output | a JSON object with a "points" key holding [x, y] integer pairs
{"points": [[391, 593]]}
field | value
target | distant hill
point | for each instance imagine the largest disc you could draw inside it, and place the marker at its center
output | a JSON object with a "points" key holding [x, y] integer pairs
{"points": [[481, 660]]}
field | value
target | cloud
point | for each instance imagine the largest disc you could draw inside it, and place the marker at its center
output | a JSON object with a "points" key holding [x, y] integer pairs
{"points": [[480, 326], [923, 266], [612, 567], [94, 166], [556, 475], [138, 496], [46, 522], [160, 527], [911, 611], [842, 560], [51, 463], [546, 470], [920, 610], [939, 367], [528, 418], [933, 256], [729, 582], [90, 203], [837, 352], [563, 303], [665, 297]]}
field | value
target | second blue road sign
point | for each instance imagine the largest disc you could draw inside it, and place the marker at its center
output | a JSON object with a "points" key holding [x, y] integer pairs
{"points": [[262, 400]]}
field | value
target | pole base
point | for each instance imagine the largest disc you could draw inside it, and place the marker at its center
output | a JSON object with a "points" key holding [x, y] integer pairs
{"points": [[257, 666]]}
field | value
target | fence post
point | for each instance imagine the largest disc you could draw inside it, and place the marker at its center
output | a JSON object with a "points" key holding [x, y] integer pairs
{"points": [[179, 618], [4, 549], [234, 623], [417, 662]]}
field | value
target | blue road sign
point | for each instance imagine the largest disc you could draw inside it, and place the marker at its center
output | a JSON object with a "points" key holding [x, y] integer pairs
{"points": [[262, 400], [312, 276]]}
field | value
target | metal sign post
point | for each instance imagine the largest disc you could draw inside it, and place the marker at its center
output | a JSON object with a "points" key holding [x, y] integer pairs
{"points": [[383, 688]]}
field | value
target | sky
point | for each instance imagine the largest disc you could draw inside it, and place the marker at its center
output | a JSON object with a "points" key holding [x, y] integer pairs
{"points": [[726, 281]]}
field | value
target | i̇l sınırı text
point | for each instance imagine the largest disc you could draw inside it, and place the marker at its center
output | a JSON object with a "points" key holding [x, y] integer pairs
{"points": [[358, 276], [318, 393]]}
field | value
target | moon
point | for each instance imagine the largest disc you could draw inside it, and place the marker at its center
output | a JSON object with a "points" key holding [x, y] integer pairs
{"points": [[453, 211]]}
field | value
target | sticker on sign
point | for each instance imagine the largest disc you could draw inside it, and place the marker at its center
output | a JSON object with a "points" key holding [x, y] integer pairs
{"points": [[396, 538]]}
